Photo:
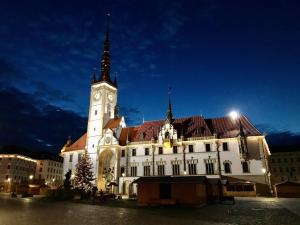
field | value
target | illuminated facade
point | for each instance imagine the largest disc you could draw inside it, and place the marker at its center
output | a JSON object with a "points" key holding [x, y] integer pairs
{"points": [[229, 147]]}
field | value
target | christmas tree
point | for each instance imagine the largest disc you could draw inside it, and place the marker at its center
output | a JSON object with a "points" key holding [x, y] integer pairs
{"points": [[84, 174]]}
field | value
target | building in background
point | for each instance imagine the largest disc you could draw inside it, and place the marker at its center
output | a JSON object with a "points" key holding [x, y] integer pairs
{"points": [[15, 169], [227, 147], [19, 167], [285, 166], [49, 170]]}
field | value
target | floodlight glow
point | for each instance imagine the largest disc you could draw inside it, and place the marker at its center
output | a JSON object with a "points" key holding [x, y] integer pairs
{"points": [[263, 170], [234, 115]]}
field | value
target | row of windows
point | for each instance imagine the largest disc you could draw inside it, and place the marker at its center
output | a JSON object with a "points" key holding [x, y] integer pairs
{"points": [[287, 169], [52, 170], [71, 157], [20, 168], [175, 149], [192, 169], [285, 160]]}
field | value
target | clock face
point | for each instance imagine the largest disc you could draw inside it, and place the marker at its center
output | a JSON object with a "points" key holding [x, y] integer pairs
{"points": [[107, 140], [97, 96], [110, 97]]}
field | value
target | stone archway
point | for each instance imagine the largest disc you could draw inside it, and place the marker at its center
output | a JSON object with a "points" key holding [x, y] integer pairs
{"points": [[106, 169]]}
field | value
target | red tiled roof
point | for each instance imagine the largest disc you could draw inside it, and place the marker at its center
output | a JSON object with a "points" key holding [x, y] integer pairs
{"points": [[77, 145], [195, 126], [225, 127], [113, 123]]}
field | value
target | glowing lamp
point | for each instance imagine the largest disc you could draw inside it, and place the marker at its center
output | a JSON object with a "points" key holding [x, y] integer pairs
{"points": [[234, 115]]}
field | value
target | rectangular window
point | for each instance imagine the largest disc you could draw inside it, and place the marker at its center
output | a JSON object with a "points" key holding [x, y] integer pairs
{"points": [[245, 166], [225, 146], [41, 169], [161, 170], [191, 148], [176, 169], [175, 149], [79, 156], [160, 150], [123, 153], [146, 151], [209, 168], [133, 171], [71, 158], [146, 170], [8, 167], [134, 152], [192, 168], [207, 147]]}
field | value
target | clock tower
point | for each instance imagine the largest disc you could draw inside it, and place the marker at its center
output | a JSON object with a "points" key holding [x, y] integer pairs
{"points": [[103, 101]]}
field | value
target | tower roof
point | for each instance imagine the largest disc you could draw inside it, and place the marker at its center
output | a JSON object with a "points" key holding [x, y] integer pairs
{"points": [[169, 118], [105, 60]]}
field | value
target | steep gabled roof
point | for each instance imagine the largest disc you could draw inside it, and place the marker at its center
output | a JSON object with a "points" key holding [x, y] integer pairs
{"points": [[77, 145], [113, 123]]}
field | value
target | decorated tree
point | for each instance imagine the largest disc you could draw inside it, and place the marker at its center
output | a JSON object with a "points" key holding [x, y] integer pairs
{"points": [[84, 174]]}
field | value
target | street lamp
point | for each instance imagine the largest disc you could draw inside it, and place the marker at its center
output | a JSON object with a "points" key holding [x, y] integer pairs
{"points": [[31, 177], [263, 170]]}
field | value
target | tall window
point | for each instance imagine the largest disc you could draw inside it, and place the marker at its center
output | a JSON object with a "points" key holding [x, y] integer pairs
{"points": [[175, 149], [191, 148], [71, 158], [160, 150], [79, 156], [123, 153], [245, 166], [192, 168], [146, 170], [225, 146], [134, 152], [209, 167], [207, 147], [133, 171], [122, 170], [146, 151], [176, 169], [161, 170], [227, 167]]}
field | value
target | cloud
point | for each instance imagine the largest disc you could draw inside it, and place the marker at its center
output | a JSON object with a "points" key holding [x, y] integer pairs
{"points": [[27, 120], [280, 140], [11, 76]]}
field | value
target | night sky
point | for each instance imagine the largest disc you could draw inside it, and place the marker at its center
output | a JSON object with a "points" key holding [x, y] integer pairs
{"points": [[216, 56]]}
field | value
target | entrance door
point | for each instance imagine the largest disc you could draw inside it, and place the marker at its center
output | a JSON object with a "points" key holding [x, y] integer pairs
{"points": [[165, 191]]}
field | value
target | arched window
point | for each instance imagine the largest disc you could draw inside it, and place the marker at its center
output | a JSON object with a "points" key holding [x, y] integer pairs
{"points": [[227, 167], [167, 135]]}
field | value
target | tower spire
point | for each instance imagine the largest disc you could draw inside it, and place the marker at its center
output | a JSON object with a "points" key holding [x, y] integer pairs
{"points": [[94, 79], [169, 118], [105, 61]]}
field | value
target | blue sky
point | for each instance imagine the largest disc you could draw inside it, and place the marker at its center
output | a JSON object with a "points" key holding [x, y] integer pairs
{"points": [[216, 56]]}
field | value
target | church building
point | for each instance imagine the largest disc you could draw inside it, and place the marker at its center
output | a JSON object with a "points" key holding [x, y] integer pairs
{"points": [[225, 148]]}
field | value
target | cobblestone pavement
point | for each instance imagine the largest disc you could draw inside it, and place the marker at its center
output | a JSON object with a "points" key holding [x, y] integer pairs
{"points": [[245, 211]]}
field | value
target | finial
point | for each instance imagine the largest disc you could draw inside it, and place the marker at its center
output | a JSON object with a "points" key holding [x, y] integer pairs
{"points": [[94, 79], [169, 118]]}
